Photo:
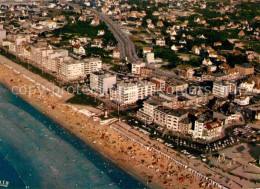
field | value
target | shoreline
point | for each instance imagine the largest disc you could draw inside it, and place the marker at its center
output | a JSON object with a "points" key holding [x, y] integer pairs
{"points": [[87, 143], [129, 170], [103, 139]]}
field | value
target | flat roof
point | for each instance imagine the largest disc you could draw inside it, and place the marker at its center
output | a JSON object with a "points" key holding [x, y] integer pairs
{"points": [[176, 113]]}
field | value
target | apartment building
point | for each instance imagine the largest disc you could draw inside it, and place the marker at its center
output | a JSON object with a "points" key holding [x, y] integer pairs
{"points": [[54, 58], [149, 106], [130, 93], [169, 118], [220, 89], [207, 130], [172, 87], [185, 100], [40, 53], [160, 84], [146, 72], [136, 67], [145, 89], [92, 65], [71, 69], [102, 82], [245, 69], [185, 126], [16, 42], [124, 93], [149, 58]]}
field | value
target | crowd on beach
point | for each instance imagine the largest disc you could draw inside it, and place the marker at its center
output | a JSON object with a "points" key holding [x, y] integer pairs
{"points": [[149, 165]]}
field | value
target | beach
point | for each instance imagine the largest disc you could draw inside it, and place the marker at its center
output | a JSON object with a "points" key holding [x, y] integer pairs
{"points": [[145, 165]]}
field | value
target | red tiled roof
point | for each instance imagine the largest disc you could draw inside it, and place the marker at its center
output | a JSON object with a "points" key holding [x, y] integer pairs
{"points": [[213, 125]]}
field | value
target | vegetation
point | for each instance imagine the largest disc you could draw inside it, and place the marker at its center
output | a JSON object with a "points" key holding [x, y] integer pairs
{"points": [[82, 29], [84, 99], [94, 51], [168, 55]]}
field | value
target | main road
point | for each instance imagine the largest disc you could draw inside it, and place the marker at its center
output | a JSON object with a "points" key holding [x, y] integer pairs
{"points": [[126, 46]]}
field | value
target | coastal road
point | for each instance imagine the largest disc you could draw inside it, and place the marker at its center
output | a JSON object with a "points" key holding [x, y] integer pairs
{"points": [[126, 46]]}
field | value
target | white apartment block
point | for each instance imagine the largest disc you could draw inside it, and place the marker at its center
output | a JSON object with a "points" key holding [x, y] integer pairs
{"points": [[55, 58], [136, 67], [102, 82], [149, 106], [72, 70], [124, 93], [221, 89], [46, 56], [16, 43], [207, 130], [92, 65], [40, 53], [145, 89], [79, 68], [130, 93], [169, 118]]}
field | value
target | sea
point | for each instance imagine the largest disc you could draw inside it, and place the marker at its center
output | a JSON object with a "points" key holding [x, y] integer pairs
{"points": [[36, 152]]}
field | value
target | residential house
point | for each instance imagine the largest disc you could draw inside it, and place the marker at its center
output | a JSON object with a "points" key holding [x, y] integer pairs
{"points": [[95, 22], [97, 43], [160, 42], [207, 62], [116, 53], [78, 49], [195, 49]]}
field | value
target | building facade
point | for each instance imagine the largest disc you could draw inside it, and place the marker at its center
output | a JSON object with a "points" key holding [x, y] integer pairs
{"points": [[102, 82]]}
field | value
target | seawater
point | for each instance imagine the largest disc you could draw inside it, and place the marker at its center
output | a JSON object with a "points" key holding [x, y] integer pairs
{"points": [[36, 152]]}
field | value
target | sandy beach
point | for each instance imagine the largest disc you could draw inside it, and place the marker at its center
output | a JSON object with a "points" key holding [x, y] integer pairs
{"points": [[146, 165]]}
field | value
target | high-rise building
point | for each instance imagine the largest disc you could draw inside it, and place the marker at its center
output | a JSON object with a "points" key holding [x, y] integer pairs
{"points": [[221, 89], [102, 82], [130, 93]]}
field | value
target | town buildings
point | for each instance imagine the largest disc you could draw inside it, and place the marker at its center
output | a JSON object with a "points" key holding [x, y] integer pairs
{"points": [[102, 82], [136, 67], [245, 69], [72, 70], [92, 65], [220, 89], [130, 93], [169, 118], [207, 129]]}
